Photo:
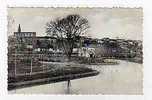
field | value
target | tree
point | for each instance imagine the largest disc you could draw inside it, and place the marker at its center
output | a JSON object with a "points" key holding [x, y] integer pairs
{"points": [[68, 30]]}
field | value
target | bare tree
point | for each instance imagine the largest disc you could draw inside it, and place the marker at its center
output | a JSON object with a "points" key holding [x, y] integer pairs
{"points": [[68, 30]]}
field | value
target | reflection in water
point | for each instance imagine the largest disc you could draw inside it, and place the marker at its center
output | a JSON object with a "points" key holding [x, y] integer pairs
{"points": [[68, 91], [68, 87], [125, 78]]}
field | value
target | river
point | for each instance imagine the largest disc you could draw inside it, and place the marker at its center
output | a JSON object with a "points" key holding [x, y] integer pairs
{"points": [[124, 78]]}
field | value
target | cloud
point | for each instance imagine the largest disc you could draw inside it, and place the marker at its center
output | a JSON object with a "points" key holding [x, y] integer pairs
{"points": [[104, 22]]}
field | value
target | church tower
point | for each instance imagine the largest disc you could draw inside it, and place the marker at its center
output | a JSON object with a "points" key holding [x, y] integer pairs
{"points": [[19, 28]]}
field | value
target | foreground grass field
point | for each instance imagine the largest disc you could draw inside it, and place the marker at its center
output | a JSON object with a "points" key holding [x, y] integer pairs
{"points": [[55, 74], [123, 78]]}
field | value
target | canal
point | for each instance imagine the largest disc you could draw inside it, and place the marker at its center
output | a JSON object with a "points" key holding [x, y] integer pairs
{"points": [[124, 78]]}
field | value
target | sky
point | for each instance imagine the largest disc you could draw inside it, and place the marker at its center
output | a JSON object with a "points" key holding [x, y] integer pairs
{"points": [[125, 23]]}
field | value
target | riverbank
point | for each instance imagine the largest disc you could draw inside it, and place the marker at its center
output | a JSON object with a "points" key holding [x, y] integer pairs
{"points": [[97, 61], [123, 78], [56, 74], [135, 60]]}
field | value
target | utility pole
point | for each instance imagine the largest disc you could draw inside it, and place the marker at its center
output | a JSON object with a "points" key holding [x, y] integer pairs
{"points": [[15, 61], [31, 66]]}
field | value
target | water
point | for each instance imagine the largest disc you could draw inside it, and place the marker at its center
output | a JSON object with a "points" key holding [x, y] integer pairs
{"points": [[125, 78]]}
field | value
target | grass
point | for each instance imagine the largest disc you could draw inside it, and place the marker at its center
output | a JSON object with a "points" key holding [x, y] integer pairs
{"points": [[97, 61], [55, 75]]}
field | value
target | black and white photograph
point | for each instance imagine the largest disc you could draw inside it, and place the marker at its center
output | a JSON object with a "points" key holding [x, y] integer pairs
{"points": [[80, 51]]}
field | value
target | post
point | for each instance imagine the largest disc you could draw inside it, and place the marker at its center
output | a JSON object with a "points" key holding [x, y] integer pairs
{"points": [[69, 83], [68, 87], [15, 64], [31, 67], [15, 61], [42, 62]]}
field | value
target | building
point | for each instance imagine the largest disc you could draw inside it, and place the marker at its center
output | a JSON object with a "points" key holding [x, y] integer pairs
{"points": [[45, 44], [29, 42], [21, 34], [25, 40]]}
